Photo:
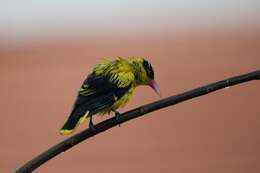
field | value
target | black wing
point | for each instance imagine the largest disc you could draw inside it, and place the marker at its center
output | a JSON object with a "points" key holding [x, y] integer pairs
{"points": [[97, 94]]}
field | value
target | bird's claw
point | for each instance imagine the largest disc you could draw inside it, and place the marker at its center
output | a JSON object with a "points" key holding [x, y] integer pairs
{"points": [[91, 125], [117, 119], [117, 115]]}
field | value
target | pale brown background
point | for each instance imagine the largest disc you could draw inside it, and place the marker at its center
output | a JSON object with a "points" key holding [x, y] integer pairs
{"points": [[214, 133]]}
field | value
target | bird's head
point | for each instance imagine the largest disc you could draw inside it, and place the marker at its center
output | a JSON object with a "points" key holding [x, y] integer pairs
{"points": [[146, 76]]}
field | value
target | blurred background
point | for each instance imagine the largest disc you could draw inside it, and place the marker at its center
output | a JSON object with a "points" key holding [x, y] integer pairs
{"points": [[47, 47]]}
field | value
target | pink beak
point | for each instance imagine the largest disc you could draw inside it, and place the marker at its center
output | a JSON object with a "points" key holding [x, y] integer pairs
{"points": [[155, 87]]}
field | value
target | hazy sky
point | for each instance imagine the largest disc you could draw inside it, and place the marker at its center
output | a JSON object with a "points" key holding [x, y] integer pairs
{"points": [[20, 19]]}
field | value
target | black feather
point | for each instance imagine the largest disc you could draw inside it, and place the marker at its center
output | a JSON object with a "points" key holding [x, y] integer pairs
{"points": [[102, 96], [149, 69]]}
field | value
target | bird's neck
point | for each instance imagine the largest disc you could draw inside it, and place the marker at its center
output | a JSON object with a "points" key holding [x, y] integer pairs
{"points": [[139, 71]]}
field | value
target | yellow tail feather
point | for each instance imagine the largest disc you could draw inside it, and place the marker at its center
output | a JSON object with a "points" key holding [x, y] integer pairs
{"points": [[66, 132], [69, 131]]}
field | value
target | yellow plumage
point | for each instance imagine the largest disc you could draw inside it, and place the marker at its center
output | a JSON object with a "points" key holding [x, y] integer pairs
{"points": [[81, 120], [108, 87]]}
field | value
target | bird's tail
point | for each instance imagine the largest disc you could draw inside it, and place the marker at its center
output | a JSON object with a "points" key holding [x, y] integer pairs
{"points": [[72, 122]]}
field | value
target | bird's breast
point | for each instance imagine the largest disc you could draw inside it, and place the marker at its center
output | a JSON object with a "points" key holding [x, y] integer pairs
{"points": [[123, 100]]}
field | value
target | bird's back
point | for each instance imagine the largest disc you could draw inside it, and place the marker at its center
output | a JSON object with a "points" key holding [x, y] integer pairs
{"points": [[108, 87]]}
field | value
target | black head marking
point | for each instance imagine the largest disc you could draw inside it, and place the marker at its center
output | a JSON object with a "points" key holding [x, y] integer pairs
{"points": [[149, 69]]}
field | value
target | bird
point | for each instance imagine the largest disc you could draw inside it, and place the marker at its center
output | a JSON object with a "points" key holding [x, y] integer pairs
{"points": [[109, 86]]}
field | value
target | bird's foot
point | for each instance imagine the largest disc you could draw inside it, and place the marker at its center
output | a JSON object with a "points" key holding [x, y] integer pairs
{"points": [[91, 125], [117, 115]]}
